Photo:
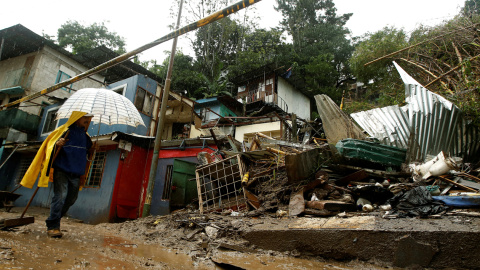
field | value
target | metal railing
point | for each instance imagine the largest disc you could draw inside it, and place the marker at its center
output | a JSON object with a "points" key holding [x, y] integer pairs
{"points": [[260, 94]]}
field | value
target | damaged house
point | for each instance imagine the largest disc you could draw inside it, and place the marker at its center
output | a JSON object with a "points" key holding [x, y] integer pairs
{"points": [[116, 185]]}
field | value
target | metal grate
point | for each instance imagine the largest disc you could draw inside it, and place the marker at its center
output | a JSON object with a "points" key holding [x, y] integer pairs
{"points": [[95, 173], [22, 168], [219, 185], [167, 190]]}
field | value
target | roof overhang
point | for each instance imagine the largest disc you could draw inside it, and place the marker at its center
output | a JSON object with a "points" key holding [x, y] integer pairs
{"points": [[16, 90]]}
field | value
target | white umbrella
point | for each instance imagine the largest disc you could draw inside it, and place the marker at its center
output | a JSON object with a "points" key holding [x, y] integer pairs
{"points": [[107, 106]]}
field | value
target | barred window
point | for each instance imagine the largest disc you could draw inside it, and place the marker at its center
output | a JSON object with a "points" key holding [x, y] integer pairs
{"points": [[167, 189], [95, 173]]}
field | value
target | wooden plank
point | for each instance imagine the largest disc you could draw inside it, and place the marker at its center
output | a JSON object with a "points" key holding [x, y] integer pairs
{"points": [[356, 176], [297, 204]]}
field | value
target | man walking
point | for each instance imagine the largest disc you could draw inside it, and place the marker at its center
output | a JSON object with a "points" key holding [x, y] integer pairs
{"points": [[65, 150]]}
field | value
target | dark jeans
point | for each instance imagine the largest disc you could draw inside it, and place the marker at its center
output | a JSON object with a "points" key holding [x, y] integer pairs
{"points": [[65, 193]]}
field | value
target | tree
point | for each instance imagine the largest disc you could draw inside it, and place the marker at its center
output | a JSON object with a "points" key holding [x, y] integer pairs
{"points": [[259, 48], [185, 77], [383, 81], [83, 38], [319, 41], [216, 86], [373, 46], [471, 7]]}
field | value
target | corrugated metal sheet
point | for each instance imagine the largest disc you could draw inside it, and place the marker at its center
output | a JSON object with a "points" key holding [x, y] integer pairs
{"points": [[389, 125], [336, 124], [427, 125]]}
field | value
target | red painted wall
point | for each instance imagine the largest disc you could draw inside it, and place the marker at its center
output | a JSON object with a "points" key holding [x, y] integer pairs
{"points": [[129, 183]]}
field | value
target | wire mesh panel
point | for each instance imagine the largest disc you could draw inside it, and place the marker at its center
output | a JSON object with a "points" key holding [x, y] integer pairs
{"points": [[219, 185]]}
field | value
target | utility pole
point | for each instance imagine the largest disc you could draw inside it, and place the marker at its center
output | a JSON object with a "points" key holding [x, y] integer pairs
{"points": [[161, 122]]}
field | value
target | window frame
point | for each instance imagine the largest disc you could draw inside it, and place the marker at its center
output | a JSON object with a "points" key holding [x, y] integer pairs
{"points": [[60, 78], [121, 89], [140, 101], [43, 133], [96, 183]]}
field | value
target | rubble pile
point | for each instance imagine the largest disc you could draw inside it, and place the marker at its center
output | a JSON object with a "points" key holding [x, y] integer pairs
{"points": [[279, 179]]}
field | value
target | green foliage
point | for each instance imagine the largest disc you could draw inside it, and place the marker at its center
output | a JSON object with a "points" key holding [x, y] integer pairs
{"points": [[374, 46], [185, 78], [320, 44], [259, 48], [471, 7], [216, 86], [83, 38]]}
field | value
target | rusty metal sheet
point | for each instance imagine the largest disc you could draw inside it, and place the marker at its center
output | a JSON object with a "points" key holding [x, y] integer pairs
{"points": [[336, 124], [301, 166]]}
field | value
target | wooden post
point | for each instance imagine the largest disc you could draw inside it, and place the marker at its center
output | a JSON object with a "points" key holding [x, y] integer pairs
{"points": [[294, 128]]}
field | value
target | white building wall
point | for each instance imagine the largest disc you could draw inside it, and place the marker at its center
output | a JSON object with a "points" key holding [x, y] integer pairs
{"points": [[43, 74], [244, 133], [297, 102], [50, 63]]}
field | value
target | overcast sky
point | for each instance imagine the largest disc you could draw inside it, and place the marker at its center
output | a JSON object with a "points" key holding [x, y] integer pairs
{"points": [[143, 21]]}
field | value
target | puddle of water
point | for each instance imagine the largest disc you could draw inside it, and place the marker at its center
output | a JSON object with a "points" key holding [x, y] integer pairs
{"points": [[151, 252]]}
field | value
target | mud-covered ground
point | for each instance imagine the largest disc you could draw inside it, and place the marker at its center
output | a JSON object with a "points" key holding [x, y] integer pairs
{"points": [[185, 240], [179, 241]]}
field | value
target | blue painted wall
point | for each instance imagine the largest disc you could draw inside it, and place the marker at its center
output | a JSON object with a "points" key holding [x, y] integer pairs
{"points": [[215, 106], [93, 204]]}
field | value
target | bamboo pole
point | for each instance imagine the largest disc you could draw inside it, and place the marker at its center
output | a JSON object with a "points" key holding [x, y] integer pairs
{"points": [[415, 45], [450, 71], [119, 59], [457, 184]]}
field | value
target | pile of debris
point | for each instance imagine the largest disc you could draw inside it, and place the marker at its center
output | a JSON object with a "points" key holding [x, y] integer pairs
{"points": [[389, 165], [281, 178]]}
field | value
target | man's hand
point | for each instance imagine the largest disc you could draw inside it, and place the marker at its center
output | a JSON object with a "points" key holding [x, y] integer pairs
{"points": [[61, 142]]}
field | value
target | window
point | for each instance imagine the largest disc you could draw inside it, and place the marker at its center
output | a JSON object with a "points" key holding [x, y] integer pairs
{"points": [[94, 177], [167, 189], [62, 76], [205, 114], [144, 101], [120, 89], [22, 168], [50, 122]]}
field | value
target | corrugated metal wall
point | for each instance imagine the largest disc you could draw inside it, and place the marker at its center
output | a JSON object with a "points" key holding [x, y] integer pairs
{"points": [[427, 125]]}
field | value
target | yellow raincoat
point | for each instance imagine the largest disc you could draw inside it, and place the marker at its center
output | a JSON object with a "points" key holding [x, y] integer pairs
{"points": [[42, 158]]}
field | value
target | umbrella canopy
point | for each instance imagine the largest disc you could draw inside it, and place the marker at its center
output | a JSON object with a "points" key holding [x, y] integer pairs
{"points": [[107, 106]]}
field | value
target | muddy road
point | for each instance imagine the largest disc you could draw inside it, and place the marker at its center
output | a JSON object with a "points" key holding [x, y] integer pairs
{"points": [[132, 245]]}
